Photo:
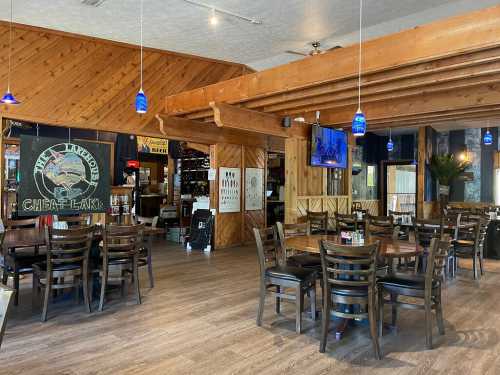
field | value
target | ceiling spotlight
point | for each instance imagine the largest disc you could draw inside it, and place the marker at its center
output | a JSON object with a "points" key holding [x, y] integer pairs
{"points": [[213, 18]]}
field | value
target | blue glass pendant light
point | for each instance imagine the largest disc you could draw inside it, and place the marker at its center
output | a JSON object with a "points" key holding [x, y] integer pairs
{"points": [[359, 120], [488, 138], [390, 143], [8, 98], [141, 101]]}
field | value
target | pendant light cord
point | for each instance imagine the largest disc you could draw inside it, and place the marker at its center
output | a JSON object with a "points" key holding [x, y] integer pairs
{"points": [[10, 46], [359, 62], [142, 11]]}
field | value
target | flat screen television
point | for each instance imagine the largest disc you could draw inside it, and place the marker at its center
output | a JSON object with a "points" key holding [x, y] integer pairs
{"points": [[328, 148]]}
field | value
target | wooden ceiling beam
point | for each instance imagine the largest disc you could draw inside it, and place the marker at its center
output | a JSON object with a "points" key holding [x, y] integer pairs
{"points": [[233, 117], [419, 106], [474, 31], [181, 129], [448, 69]]}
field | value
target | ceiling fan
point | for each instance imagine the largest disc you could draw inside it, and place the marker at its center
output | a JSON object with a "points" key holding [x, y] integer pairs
{"points": [[316, 50]]}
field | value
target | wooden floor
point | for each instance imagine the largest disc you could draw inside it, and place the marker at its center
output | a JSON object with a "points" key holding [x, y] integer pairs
{"points": [[200, 319]]}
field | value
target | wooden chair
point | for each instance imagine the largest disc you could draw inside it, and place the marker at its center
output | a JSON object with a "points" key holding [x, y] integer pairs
{"points": [[275, 275], [318, 222], [67, 257], [473, 248], [425, 231], [349, 279], [121, 248], [145, 258], [19, 260], [381, 226], [425, 287], [6, 298], [356, 206], [404, 220], [298, 260], [345, 222]]}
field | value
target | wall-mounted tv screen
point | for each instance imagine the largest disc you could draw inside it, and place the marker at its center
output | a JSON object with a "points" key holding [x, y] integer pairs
{"points": [[328, 148]]}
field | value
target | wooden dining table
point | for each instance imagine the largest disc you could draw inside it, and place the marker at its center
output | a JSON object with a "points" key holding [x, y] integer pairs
{"points": [[390, 249], [31, 237]]}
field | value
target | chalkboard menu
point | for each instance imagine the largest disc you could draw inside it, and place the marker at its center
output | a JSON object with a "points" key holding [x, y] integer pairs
{"points": [[63, 177]]}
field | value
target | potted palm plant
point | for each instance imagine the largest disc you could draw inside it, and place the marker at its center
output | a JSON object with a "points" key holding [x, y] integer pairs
{"points": [[446, 168]]}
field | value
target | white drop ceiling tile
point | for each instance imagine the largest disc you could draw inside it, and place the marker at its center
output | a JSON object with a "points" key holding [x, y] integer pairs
{"points": [[287, 24]]}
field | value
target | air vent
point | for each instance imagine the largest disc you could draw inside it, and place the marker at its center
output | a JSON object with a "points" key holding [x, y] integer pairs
{"points": [[93, 3]]}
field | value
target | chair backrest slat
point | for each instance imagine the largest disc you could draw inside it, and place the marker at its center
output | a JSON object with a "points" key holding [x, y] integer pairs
{"points": [[122, 241], [70, 245], [318, 221], [22, 223], [268, 248], [338, 269], [345, 222]]}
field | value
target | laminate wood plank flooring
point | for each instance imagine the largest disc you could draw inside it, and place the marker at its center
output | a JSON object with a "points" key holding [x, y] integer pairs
{"points": [[200, 319]]}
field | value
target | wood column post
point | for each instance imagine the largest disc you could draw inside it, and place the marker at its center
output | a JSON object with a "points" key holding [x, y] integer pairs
{"points": [[291, 179], [421, 173]]}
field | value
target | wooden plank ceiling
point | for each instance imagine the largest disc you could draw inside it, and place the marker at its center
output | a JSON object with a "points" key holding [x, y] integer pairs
{"points": [[71, 80], [446, 70]]}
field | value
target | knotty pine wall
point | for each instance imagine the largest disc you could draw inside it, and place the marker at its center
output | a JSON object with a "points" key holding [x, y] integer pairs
{"points": [[233, 229], [72, 80]]}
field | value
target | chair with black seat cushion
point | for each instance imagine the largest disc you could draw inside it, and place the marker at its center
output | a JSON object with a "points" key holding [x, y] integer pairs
{"points": [[473, 248], [67, 257], [426, 287], [18, 260], [273, 274], [345, 222], [298, 260], [121, 249], [318, 222], [349, 278]]}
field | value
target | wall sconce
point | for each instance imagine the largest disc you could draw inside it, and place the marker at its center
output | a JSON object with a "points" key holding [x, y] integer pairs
{"points": [[464, 154]]}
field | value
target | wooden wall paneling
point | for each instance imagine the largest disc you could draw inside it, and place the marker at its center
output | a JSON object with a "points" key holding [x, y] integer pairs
{"points": [[253, 157], [69, 80], [310, 180], [228, 226], [291, 180], [421, 172]]}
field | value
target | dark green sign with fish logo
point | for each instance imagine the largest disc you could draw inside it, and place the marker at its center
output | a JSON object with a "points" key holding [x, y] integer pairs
{"points": [[63, 177]]}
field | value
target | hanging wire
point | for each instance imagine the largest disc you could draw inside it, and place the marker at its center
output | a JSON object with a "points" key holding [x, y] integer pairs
{"points": [[69, 135], [10, 46], [142, 13], [37, 130], [359, 62]]}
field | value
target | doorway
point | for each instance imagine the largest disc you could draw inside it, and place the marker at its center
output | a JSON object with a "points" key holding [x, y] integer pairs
{"points": [[400, 181]]}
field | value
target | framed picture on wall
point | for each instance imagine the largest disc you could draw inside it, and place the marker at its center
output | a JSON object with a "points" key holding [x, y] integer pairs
{"points": [[254, 189], [229, 190]]}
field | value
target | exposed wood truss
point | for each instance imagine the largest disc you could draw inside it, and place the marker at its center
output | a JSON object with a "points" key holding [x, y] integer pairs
{"points": [[230, 116], [449, 69], [181, 129]]}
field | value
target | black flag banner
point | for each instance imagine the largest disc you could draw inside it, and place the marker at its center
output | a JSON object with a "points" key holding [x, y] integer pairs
{"points": [[63, 177]]}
